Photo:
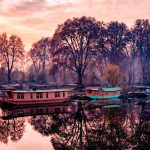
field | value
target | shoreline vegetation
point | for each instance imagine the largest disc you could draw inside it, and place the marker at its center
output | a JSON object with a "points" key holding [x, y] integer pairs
{"points": [[82, 51]]}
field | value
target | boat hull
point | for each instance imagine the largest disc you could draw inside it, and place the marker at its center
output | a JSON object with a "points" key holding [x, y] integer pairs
{"points": [[105, 97], [34, 102]]}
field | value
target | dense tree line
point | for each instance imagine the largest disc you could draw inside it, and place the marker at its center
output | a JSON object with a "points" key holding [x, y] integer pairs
{"points": [[79, 51]]}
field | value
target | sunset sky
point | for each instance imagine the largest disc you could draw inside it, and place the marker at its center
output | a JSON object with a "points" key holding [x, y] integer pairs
{"points": [[33, 19]]}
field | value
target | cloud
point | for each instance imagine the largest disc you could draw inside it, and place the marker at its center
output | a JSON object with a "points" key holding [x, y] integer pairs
{"points": [[33, 19], [22, 8]]}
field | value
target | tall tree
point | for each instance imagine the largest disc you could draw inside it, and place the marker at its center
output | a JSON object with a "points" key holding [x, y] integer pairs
{"points": [[39, 54], [11, 51], [73, 44], [141, 44], [116, 41], [3, 75]]}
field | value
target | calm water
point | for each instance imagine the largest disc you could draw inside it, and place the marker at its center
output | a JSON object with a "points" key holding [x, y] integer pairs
{"points": [[113, 125]]}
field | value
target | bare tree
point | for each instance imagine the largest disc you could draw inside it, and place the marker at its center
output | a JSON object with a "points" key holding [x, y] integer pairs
{"points": [[73, 44], [141, 45], [39, 54], [116, 42], [11, 51]]}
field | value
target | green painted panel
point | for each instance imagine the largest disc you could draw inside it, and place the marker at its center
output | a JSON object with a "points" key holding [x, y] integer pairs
{"points": [[111, 89], [111, 106]]}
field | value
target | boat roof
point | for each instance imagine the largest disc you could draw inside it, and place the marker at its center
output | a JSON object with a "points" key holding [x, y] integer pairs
{"points": [[141, 87], [111, 89], [39, 91], [106, 89]]}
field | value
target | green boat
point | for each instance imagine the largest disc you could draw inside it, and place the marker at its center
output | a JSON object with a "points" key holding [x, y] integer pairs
{"points": [[104, 93]]}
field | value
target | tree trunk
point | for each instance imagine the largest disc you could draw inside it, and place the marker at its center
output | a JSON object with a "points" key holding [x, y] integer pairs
{"points": [[80, 81], [9, 77], [142, 67]]}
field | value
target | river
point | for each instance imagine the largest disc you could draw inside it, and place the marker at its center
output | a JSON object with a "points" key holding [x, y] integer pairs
{"points": [[116, 125]]}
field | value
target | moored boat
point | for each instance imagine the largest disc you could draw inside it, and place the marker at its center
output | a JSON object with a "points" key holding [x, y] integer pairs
{"points": [[139, 92], [19, 97], [103, 93]]}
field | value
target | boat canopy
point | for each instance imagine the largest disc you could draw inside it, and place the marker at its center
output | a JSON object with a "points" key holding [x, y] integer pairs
{"points": [[111, 89]]}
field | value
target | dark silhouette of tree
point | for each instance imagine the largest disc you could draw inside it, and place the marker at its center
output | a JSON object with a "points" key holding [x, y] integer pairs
{"points": [[3, 75], [101, 45], [73, 44], [117, 38], [141, 44], [11, 51], [53, 71], [40, 56]]}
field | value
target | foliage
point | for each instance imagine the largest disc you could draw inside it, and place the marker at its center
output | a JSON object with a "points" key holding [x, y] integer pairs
{"points": [[79, 50], [140, 41], [11, 52], [40, 55], [117, 38], [73, 44], [112, 74]]}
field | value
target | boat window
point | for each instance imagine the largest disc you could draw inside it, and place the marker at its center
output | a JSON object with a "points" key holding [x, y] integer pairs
{"points": [[57, 110], [90, 91], [63, 94], [20, 95], [31, 111], [46, 95], [39, 95], [41, 111], [46, 110], [37, 111], [64, 109], [57, 94], [31, 96]]}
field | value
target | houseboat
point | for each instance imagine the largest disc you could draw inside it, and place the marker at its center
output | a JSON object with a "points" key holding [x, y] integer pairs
{"points": [[139, 92], [103, 93], [19, 97]]}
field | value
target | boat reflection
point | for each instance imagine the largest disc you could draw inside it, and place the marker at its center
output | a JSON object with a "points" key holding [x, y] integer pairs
{"points": [[22, 111], [79, 125]]}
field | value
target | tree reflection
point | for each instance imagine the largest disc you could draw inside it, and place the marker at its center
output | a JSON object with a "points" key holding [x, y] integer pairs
{"points": [[45, 124], [141, 138], [11, 128], [115, 128]]}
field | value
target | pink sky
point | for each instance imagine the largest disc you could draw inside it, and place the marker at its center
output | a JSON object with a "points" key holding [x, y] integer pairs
{"points": [[33, 19]]}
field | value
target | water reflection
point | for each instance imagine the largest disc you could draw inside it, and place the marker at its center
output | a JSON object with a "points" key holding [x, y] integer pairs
{"points": [[12, 129], [84, 126]]}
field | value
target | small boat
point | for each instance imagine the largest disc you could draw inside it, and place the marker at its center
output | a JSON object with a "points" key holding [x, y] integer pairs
{"points": [[103, 93], [139, 92]]}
